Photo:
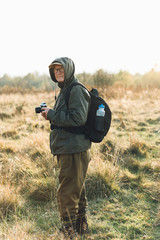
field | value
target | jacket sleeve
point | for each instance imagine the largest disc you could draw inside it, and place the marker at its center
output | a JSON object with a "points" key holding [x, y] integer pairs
{"points": [[77, 111]]}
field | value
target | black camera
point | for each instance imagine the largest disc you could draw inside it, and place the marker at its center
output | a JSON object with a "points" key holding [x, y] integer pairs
{"points": [[39, 109]]}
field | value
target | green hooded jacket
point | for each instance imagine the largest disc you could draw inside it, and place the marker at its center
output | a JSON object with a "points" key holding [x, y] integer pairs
{"points": [[61, 141]]}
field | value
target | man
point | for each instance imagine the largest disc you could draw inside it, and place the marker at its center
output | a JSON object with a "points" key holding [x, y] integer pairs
{"points": [[72, 149]]}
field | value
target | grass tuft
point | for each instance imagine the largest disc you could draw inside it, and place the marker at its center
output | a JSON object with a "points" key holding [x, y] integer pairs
{"points": [[137, 148], [10, 134], [43, 189], [4, 116], [7, 147], [19, 108], [9, 200], [129, 179]]}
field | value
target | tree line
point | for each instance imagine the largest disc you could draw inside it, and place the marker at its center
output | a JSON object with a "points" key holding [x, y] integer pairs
{"points": [[35, 81]]}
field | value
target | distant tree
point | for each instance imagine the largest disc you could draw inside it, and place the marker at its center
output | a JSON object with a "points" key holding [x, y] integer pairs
{"points": [[85, 78], [125, 78], [99, 79], [151, 79], [5, 80], [102, 78]]}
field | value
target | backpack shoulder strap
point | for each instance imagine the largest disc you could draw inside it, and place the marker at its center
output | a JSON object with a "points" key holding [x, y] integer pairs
{"points": [[67, 94]]}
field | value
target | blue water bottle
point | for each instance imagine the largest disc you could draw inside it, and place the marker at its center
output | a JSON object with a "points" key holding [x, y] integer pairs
{"points": [[100, 117]]}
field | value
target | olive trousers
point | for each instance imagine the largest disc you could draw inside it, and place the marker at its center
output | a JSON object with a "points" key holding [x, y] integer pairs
{"points": [[71, 194]]}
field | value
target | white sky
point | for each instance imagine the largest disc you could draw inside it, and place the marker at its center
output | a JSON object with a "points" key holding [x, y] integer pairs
{"points": [[107, 34]]}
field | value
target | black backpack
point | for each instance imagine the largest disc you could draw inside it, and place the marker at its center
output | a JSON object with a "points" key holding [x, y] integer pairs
{"points": [[89, 129]]}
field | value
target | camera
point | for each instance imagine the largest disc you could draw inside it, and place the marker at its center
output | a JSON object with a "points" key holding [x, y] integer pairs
{"points": [[39, 109]]}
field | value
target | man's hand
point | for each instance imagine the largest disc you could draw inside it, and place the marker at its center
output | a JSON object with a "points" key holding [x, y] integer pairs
{"points": [[45, 112]]}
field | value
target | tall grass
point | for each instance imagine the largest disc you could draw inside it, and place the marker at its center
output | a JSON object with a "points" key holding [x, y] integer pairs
{"points": [[123, 177]]}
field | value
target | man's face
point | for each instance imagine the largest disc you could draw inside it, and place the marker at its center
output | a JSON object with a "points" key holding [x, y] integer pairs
{"points": [[59, 73]]}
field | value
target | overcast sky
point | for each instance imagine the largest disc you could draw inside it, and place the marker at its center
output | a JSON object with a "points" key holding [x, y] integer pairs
{"points": [[107, 34]]}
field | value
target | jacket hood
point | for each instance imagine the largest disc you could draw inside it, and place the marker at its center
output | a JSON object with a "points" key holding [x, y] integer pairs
{"points": [[69, 70]]}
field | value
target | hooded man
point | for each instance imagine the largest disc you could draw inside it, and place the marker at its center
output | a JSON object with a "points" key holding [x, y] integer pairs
{"points": [[71, 149]]}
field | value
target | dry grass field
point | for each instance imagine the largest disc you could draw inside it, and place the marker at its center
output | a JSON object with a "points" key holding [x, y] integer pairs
{"points": [[123, 181]]}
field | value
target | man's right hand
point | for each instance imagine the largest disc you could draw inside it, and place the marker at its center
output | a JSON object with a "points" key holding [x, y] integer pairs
{"points": [[45, 112]]}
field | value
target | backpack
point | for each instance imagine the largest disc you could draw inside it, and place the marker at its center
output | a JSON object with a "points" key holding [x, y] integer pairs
{"points": [[89, 129]]}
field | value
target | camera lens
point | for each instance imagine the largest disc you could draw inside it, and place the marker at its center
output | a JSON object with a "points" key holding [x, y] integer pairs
{"points": [[38, 110]]}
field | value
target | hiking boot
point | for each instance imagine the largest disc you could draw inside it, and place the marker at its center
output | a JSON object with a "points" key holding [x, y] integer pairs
{"points": [[69, 228], [81, 223]]}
